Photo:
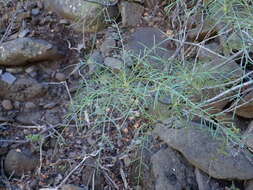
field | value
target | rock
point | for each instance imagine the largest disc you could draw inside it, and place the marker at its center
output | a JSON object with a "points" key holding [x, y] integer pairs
{"points": [[245, 106], [248, 137], [22, 89], [30, 105], [207, 153], [24, 33], [72, 187], [60, 77], [29, 118], [19, 163], [219, 72], [170, 172], [88, 17], [89, 172], [8, 78], [131, 13], [95, 60], [35, 11], [150, 3], [15, 70], [203, 30], [7, 105], [149, 42], [27, 50], [249, 185], [113, 63], [107, 46], [234, 42], [205, 182]]}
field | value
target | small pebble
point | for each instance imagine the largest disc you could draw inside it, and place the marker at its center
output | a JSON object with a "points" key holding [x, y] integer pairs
{"points": [[14, 70], [60, 77], [35, 11], [7, 105], [29, 105], [64, 21]]}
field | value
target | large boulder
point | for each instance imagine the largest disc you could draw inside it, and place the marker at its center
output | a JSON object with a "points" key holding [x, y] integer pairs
{"points": [[206, 152]]}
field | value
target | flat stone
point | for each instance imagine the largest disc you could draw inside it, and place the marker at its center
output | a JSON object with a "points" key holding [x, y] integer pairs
{"points": [[209, 154], [150, 42], [8, 78], [22, 51]]}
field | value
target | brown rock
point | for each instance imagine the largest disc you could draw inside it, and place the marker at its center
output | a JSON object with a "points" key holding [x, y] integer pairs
{"points": [[19, 163], [245, 106]]}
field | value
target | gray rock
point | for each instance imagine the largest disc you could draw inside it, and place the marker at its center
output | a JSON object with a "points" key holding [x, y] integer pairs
{"points": [[249, 185], [114, 63], [29, 118], [35, 11], [19, 163], [87, 16], [205, 182], [72, 187], [30, 105], [131, 13], [170, 172], [23, 33], [15, 70], [107, 46], [248, 137], [150, 42], [8, 78], [27, 50], [22, 89], [211, 155], [94, 61]]}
